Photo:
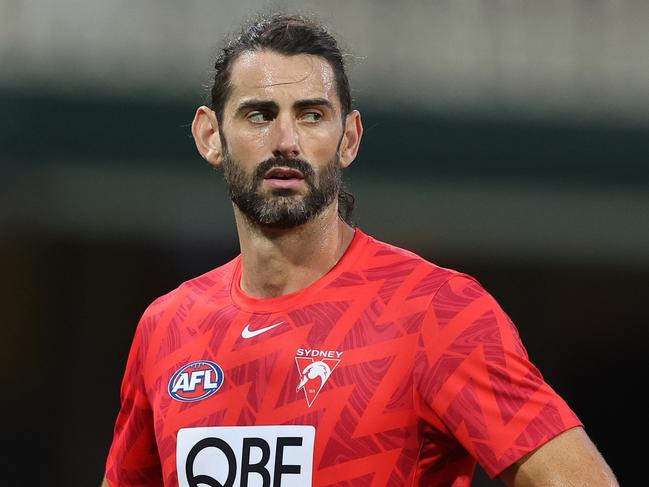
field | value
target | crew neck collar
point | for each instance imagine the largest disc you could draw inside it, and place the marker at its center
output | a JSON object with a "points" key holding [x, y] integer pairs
{"points": [[279, 303]]}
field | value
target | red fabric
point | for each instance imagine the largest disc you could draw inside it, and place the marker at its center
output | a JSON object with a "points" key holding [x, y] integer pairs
{"points": [[427, 374]]}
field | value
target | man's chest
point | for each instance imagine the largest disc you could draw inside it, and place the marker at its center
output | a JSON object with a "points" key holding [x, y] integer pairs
{"points": [[276, 368], [236, 390]]}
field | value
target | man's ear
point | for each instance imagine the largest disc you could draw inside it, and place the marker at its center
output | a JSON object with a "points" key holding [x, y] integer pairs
{"points": [[351, 141], [205, 130]]}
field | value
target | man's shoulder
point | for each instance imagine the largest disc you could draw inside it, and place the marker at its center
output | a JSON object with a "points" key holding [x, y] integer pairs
{"points": [[391, 261]]}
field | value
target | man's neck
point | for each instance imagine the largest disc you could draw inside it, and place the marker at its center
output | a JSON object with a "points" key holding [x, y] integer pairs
{"points": [[277, 262]]}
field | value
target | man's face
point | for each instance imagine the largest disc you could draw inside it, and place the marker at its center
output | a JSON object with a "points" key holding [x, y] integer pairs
{"points": [[280, 133]]}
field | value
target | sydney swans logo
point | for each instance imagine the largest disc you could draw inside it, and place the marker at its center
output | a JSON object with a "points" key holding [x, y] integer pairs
{"points": [[315, 373]]}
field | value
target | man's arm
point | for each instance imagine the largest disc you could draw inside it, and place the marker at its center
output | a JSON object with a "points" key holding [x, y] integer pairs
{"points": [[104, 483], [569, 459]]}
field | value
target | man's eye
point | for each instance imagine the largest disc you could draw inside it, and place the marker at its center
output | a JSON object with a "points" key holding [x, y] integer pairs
{"points": [[312, 117], [259, 117]]}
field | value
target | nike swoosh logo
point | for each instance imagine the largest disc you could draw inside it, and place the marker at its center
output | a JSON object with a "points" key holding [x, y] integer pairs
{"points": [[248, 333]]}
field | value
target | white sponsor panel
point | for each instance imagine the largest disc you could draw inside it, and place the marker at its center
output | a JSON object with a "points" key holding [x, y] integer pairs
{"points": [[245, 456]]}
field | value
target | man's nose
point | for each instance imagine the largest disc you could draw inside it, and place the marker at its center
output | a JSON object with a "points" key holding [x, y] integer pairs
{"points": [[287, 142]]}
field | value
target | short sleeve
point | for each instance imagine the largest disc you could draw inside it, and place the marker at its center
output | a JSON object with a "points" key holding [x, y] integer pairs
{"points": [[133, 459], [477, 381]]}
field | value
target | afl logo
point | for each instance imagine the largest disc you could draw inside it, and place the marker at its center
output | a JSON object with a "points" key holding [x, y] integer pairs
{"points": [[196, 381]]}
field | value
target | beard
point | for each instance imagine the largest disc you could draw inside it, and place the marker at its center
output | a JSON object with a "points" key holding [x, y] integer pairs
{"points": [[281, 208]]}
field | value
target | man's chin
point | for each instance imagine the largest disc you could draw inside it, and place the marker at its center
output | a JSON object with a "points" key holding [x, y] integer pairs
{"points": [[281, 208], [282, 193], [281, 217], [281, 222]]}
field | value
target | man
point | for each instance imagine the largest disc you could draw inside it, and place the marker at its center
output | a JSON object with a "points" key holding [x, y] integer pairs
{"points": [[321, 356]]}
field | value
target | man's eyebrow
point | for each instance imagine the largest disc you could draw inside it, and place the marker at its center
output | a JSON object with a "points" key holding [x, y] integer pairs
{"points": [[257, 105], [269, 105], [313, 102]]}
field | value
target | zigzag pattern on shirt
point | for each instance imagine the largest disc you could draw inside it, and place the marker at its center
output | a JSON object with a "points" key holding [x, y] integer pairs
{"points": [[415, 347]]}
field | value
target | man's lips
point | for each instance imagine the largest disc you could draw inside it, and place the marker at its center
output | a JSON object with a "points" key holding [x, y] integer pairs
{"points": [[283, 173], [284, 178], [292, 183]]}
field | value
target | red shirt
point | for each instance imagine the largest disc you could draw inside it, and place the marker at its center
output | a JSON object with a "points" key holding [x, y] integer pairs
{"points": [[388, 370]]}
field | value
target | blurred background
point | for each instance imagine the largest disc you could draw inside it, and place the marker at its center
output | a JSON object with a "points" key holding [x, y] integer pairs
{"points": [[509, 140]]}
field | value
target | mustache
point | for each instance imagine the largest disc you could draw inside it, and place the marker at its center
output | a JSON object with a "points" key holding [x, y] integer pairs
{"points": [[300, 164]]}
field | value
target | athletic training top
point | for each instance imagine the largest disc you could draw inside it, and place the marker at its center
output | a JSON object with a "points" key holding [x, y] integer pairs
{"points": [[387, 371]]}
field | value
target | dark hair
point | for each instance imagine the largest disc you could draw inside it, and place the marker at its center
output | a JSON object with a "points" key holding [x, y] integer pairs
{"points": [[285, 34], [289, 35]]}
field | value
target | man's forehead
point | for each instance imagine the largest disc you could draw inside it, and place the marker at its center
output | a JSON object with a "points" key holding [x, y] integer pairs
{"points": [[259, 73]]}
